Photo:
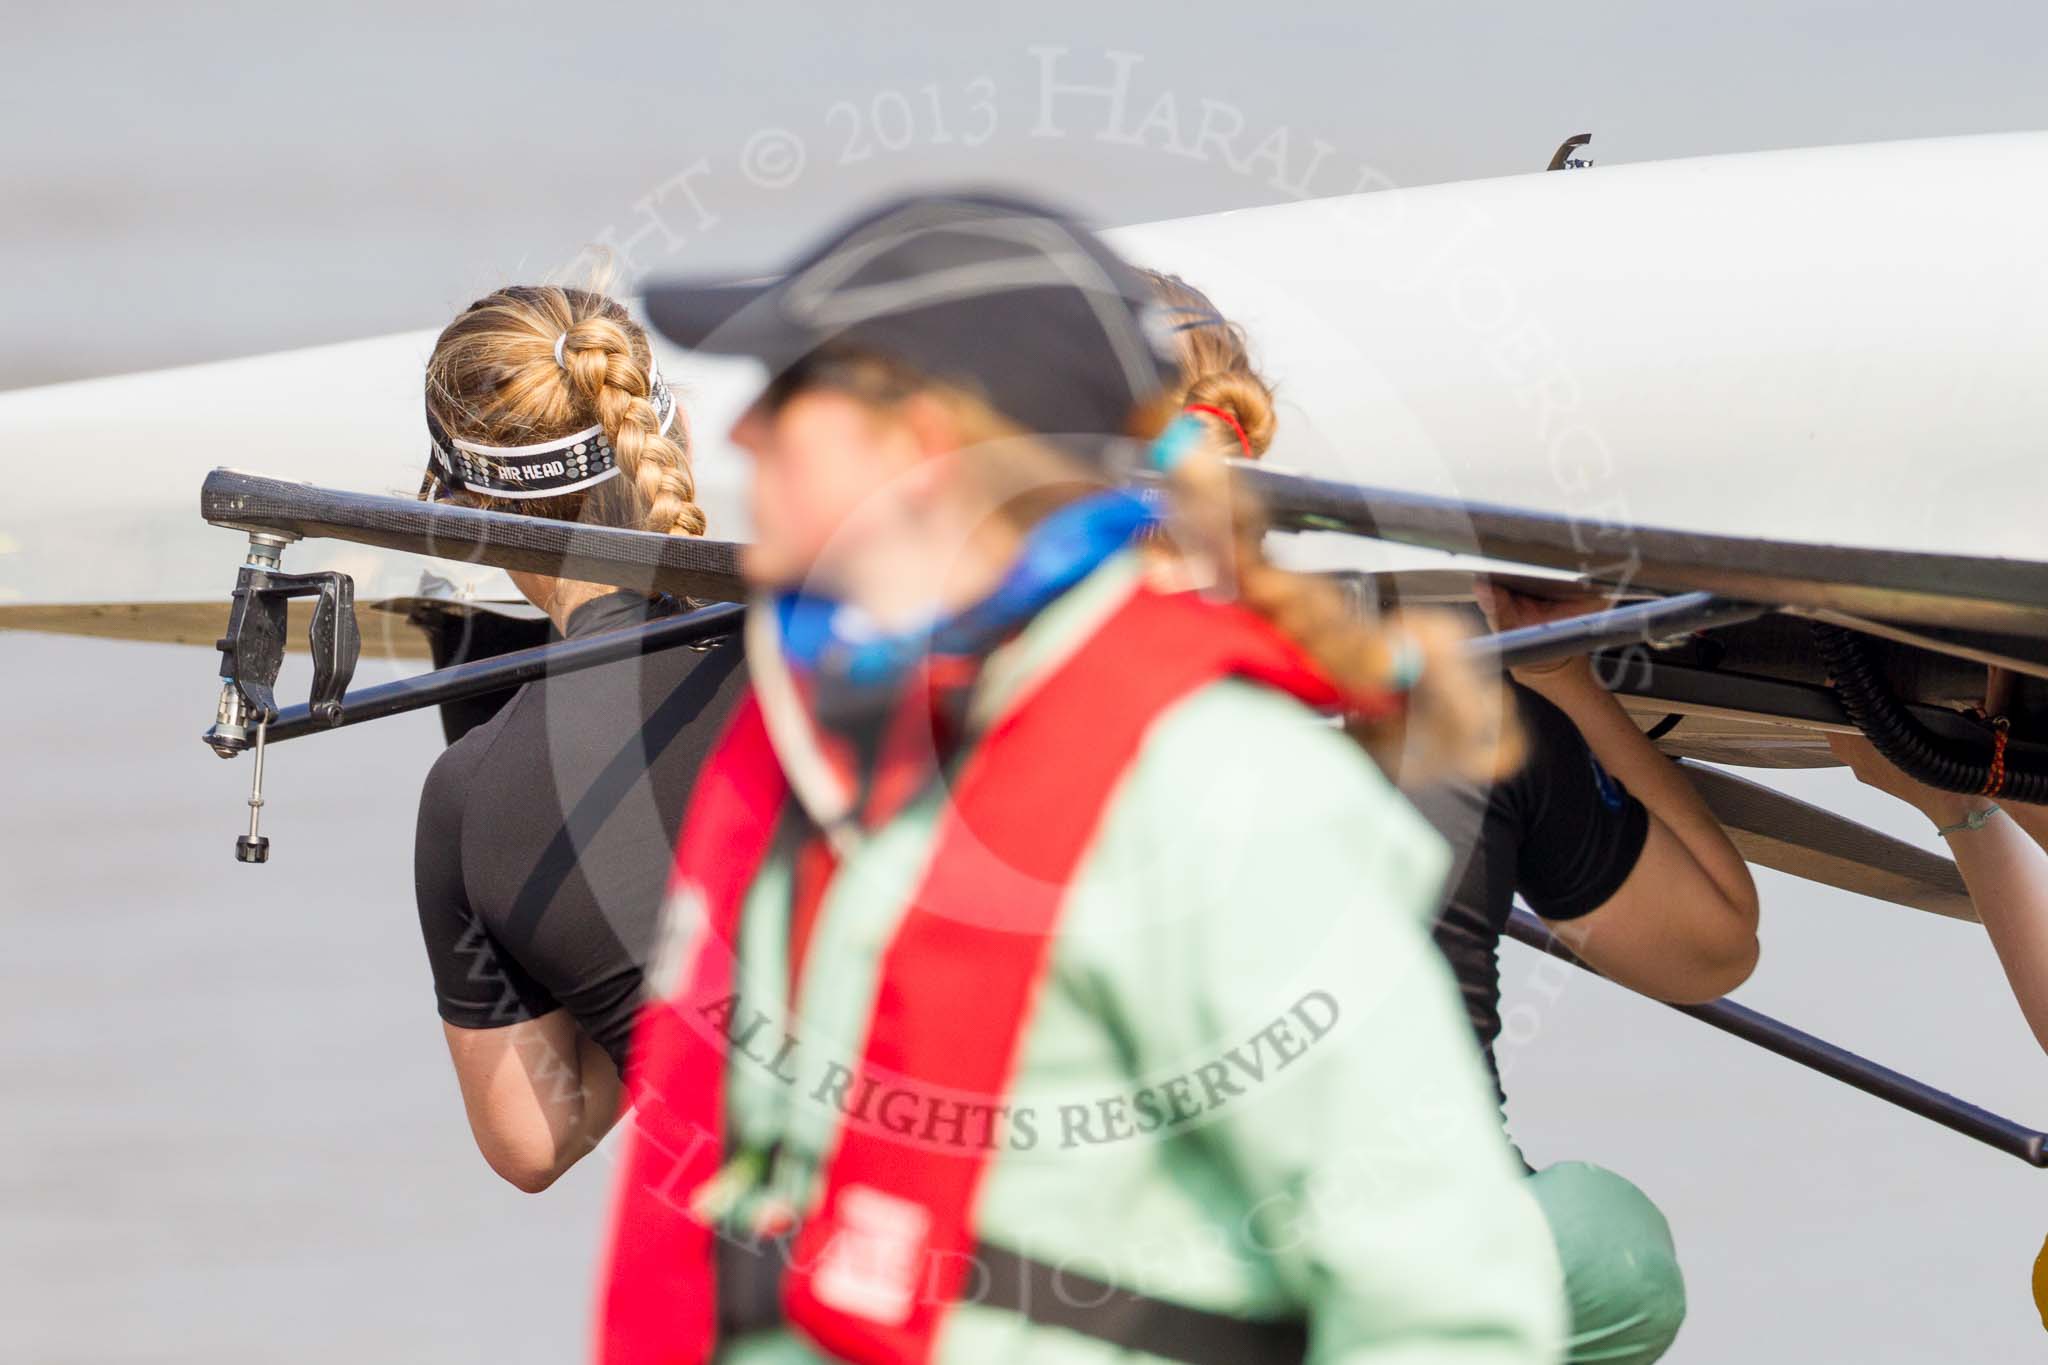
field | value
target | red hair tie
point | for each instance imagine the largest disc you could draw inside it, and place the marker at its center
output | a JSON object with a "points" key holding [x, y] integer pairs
{"points": [[1995, 783], [1211, 410]]}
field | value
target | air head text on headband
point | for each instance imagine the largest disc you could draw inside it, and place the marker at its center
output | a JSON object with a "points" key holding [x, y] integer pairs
{"points": [[582, 459]]}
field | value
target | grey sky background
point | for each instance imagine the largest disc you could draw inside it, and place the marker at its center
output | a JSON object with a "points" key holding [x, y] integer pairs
{"points": [[230, 1130]]}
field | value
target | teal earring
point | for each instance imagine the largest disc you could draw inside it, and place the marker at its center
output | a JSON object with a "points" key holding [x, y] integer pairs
{"points": [[1182, 435]]}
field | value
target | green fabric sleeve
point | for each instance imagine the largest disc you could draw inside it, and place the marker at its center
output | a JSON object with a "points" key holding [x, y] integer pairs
{"points": [[1294, 963], [1621, 1272]]}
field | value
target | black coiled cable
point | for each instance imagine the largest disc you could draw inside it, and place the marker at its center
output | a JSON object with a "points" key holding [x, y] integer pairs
{"points": [[1946, 764]]}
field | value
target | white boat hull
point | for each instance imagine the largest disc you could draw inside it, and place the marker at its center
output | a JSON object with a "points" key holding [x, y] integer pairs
{"points": [[1844, 346]]}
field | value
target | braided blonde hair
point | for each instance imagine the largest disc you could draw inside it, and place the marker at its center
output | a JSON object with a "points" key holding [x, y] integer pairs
{"points": [[493, 379], [1454, 719]]}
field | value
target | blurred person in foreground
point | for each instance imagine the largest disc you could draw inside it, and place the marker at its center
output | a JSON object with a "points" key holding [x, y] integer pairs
{"points": [[1046, 979]]}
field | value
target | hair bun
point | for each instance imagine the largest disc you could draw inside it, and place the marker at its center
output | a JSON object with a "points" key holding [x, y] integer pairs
{"points": [[1245, 397]]}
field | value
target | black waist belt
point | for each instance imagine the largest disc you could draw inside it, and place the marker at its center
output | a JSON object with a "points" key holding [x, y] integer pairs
{"points": [[750, 1300]]}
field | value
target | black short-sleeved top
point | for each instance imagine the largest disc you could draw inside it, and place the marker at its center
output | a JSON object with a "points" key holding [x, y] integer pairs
{"points": [[1561, 832], [546, 833]]}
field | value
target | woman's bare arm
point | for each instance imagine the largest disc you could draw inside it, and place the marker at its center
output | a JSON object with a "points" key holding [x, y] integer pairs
{"points": [[1683, 927], [2005, 870], [2032, 819], [539, 1094]]}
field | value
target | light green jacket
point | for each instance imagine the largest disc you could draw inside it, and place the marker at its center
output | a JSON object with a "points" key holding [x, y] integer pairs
{"points": [[1245, 952]]}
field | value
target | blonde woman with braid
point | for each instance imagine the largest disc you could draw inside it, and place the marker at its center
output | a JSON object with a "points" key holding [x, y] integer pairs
{"points": [[545, 833]]}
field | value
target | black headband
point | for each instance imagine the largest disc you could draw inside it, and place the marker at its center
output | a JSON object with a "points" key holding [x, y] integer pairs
{"points": [[1198, 317], [582, 459]]}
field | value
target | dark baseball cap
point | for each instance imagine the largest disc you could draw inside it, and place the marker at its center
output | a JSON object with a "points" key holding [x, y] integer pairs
{"points": [[1007, 299]]}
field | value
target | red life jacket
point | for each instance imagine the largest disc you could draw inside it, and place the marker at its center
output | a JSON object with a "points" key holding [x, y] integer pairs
{"points": [[885, 1250]]}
